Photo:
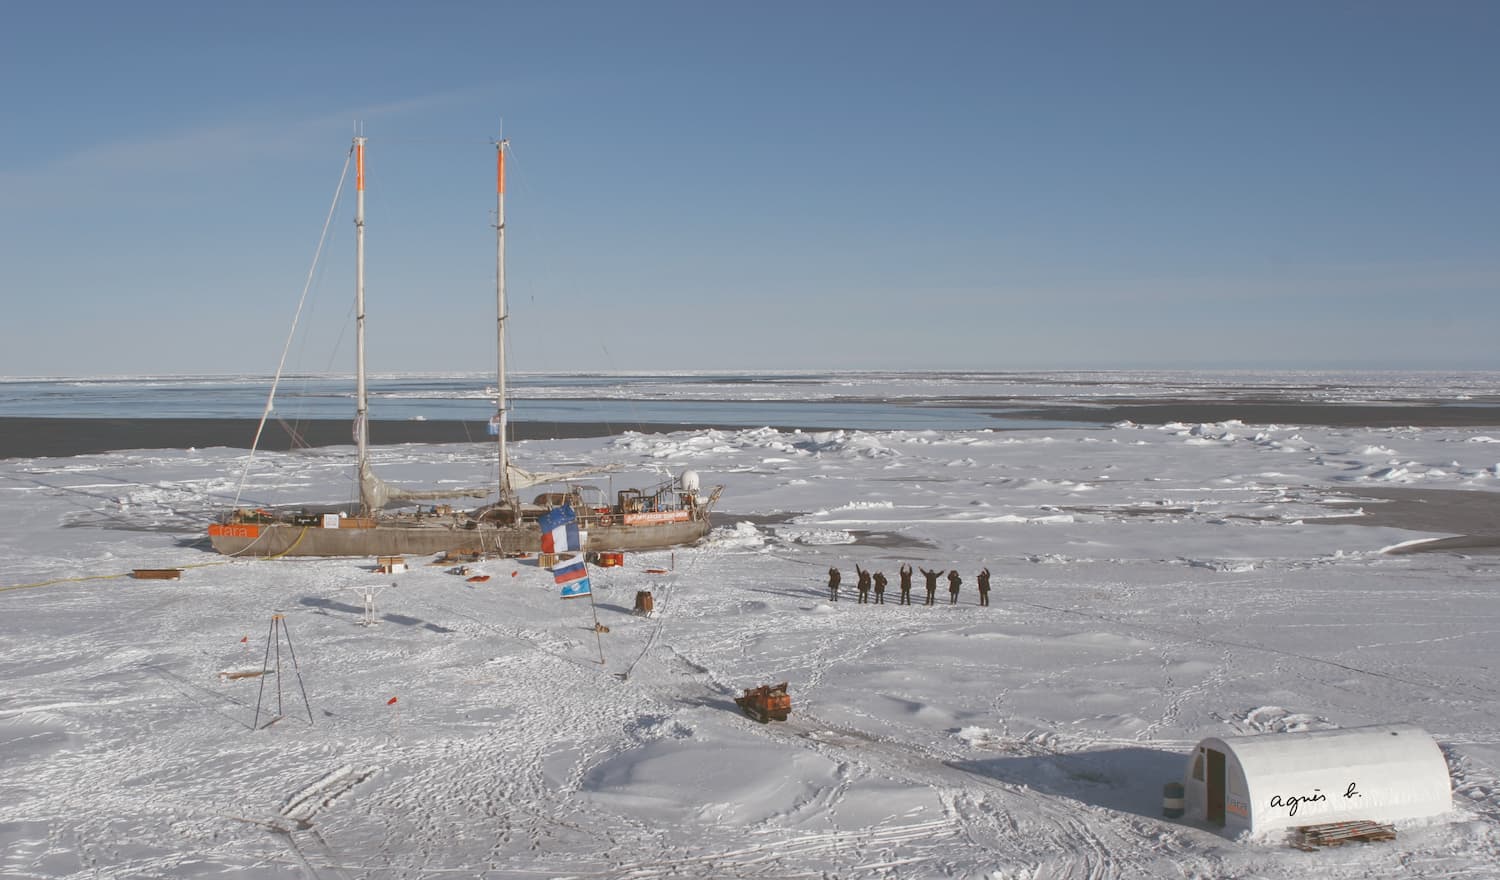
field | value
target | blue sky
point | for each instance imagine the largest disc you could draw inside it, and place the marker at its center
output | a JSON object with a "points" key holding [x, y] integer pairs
{"points": [[755, 186]]}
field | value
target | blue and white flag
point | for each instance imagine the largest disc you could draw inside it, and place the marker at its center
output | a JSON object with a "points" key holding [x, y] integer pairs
{"points": [[560, 532], [494, 427], [573, 577]]}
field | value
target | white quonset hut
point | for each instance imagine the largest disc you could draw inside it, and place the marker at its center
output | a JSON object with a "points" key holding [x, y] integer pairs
{"points": [[1281, 780]]}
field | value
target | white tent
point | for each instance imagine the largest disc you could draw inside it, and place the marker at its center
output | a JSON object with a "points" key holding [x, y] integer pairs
{"points": [[1261, 783]]}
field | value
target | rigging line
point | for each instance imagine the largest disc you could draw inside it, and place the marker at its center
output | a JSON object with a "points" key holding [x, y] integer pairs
{"points": [[291, 334], [668, 593], [304, 406], [609, 358]]}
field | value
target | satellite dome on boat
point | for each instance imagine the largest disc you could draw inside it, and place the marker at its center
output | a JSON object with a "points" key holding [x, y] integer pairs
{"points": [[690, 481]]}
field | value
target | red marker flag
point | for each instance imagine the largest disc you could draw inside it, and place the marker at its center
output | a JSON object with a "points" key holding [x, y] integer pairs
{"points": [[244, 639], [391, 701]]}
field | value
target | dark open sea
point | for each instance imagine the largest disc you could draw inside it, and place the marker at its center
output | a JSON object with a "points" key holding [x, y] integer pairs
{"points": [[689, 399], [811, 400]]}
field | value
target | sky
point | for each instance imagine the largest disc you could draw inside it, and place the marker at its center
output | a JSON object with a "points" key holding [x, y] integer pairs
{"points": [[698, 186]]}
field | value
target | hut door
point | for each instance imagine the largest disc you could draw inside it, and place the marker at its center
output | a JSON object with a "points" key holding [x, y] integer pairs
{"points": [[1215, 805]]}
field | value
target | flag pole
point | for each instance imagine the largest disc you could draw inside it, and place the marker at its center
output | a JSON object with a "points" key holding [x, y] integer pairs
{"points": [[598, 637], [560, 534]]}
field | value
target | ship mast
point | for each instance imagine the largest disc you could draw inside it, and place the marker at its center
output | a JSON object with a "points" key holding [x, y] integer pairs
{"points": [[362, 404], [502, 414]]}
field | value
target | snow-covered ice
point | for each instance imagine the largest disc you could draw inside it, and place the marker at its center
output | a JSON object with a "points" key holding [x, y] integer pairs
{"points": [[1154, 584]]}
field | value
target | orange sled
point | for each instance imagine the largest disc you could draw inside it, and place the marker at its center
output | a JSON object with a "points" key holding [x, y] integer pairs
{"points": [[769, 702]]}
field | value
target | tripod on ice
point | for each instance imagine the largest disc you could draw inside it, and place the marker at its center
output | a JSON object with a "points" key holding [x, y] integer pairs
{"points": [[279, 633]]}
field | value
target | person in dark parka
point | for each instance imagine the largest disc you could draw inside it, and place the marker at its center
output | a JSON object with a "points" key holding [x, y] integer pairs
{"points": [[833, 584], [863, 585], [984, 586], [905, 584], [931, 577], [953, 581], [880, 583]]}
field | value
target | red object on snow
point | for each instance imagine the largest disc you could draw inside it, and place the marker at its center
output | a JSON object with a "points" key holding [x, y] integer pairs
{"points": [[391, 701], [479, 578], [769, 702]]}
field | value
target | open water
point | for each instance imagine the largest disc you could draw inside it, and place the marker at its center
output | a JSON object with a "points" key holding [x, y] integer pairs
{"points": [[738, 400], [858, 400]]}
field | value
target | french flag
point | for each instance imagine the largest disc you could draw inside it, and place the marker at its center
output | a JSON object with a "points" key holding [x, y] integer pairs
{"points": [[560, 530], [563, 538]]}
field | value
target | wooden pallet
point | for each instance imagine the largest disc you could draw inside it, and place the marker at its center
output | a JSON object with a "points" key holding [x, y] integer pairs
{"points": [[158, 574], [1312, 837]]}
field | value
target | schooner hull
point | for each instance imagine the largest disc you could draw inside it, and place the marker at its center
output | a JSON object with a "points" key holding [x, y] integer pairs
{"points": [[422, 539]]}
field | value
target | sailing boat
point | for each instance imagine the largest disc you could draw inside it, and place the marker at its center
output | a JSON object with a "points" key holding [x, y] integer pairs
{"points": [[391, 521]]}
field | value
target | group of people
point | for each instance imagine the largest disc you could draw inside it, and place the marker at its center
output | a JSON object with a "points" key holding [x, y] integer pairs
{"points": [[876, 583]]}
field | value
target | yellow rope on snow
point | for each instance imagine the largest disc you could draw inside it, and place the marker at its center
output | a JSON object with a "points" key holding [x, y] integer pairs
{"points": [[96, 577], [105, 577]]}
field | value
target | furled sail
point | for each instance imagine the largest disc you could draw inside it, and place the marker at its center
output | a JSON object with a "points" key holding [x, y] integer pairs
{"points": [[520, 479], [377, 494]]}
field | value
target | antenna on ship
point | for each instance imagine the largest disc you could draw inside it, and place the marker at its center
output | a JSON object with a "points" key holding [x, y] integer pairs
{"points": [[362, 402], [499, 424]]}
